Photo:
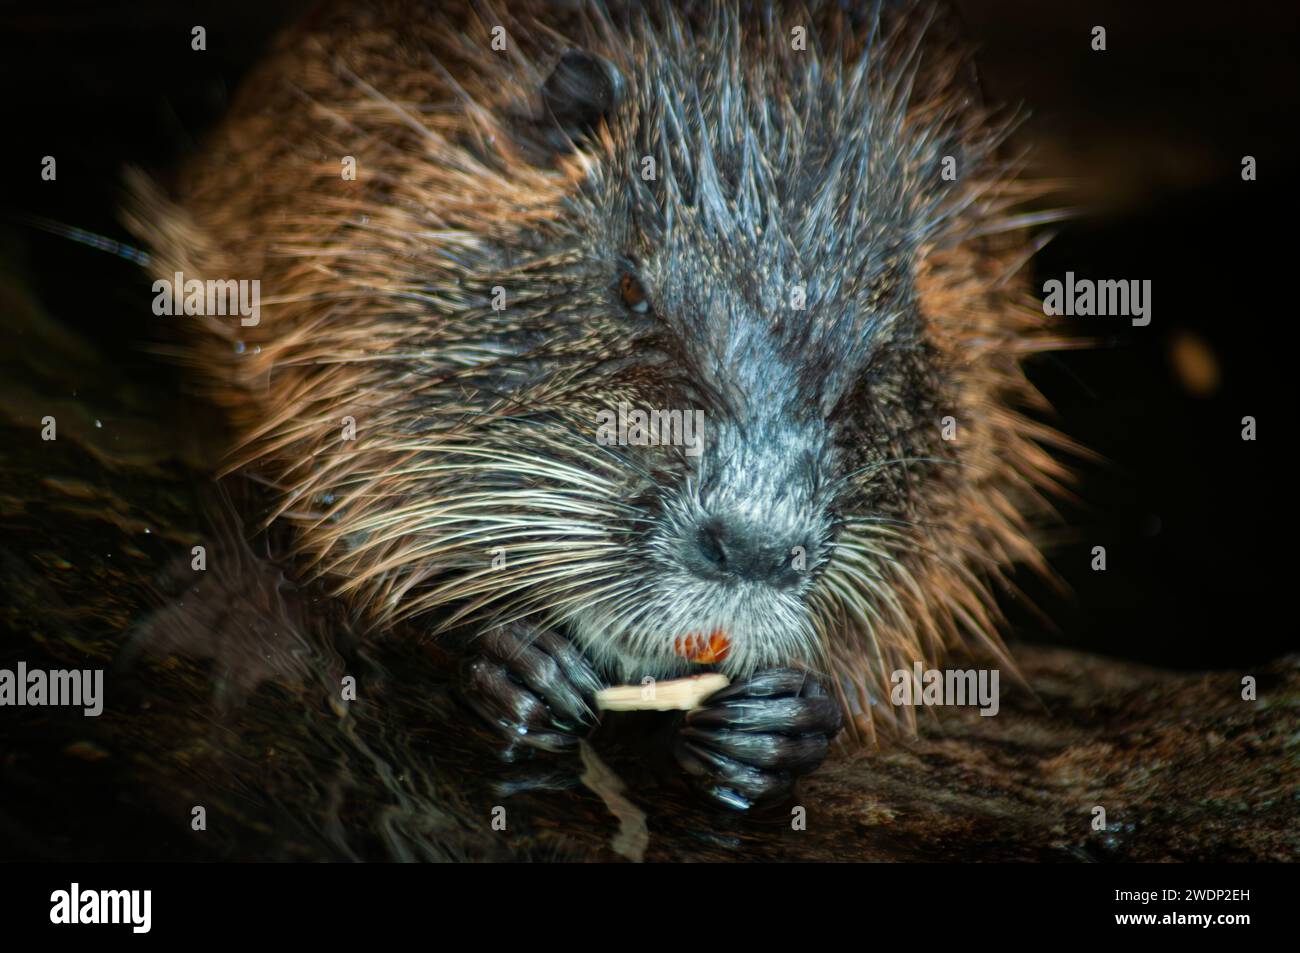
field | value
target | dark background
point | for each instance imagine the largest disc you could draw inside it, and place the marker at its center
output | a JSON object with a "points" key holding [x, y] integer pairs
{"points": [[1147, 138]]}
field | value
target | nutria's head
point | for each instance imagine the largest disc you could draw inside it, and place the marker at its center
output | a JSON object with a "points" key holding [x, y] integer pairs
{"points": [[771, 246]]}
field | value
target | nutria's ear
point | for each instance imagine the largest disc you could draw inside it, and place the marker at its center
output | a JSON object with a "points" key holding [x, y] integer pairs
{"points": [[581, 89]]}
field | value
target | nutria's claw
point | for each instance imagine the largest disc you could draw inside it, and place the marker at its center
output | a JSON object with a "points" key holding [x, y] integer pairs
{"points": [[533, 686], [751, 741]]}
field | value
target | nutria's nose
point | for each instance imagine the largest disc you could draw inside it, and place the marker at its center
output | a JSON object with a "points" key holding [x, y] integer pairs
{"points": [[738, 548]]}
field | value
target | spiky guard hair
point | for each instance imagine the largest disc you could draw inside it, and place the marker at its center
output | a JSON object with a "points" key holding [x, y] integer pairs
{"points": [[823, 166]]}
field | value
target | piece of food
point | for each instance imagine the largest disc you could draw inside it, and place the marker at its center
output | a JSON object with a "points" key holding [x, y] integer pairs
{"points": [[676, 694]]}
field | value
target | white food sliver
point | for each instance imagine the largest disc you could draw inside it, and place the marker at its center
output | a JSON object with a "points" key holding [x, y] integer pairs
{"points": [[677, 694]]}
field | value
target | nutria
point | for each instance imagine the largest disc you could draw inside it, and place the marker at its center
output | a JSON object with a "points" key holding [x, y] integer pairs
{"points": [[481, 231]]}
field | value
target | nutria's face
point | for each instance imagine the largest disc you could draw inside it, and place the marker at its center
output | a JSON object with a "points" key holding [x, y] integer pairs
{"points": [[765, 297], [792, 439]]}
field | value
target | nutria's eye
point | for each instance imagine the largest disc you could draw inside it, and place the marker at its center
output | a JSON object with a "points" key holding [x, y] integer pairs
{"points": [[633, 294]]}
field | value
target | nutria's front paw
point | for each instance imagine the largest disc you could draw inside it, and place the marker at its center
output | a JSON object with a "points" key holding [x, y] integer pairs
{"points": [[533, 686], [751, 741]]}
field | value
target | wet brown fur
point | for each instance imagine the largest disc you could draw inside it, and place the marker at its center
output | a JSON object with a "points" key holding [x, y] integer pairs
{"points": [[352, 271]]}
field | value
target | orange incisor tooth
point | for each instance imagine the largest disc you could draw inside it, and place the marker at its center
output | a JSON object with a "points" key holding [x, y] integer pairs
{"points": [[702, 650]]}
